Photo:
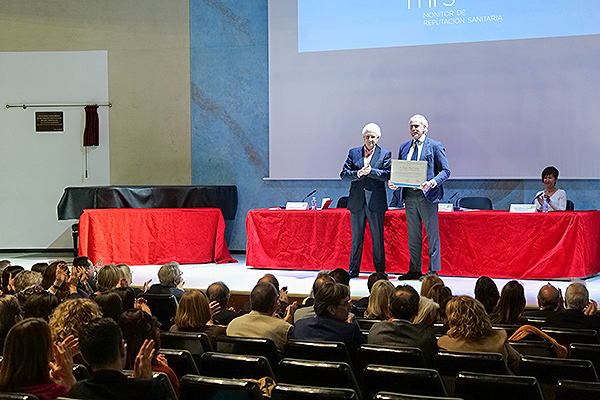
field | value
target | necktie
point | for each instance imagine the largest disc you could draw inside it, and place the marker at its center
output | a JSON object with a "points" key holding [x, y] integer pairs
{"points": [[415, 154]]}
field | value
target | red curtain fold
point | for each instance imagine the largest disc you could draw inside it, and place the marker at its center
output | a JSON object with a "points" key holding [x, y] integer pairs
{"points": [[91, 134]]}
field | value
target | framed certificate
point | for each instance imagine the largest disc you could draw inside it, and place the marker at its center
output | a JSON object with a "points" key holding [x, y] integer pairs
{"points": [[408, 173]]}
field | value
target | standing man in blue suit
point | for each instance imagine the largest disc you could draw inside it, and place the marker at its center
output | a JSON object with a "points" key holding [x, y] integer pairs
{"points": [[368, 167], [422, 203]]}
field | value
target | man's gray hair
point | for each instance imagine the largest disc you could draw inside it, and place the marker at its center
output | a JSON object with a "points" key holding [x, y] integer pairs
{"points": [[577, 296], [169, 274], [423, 121], [373, 128], [26, 279]]}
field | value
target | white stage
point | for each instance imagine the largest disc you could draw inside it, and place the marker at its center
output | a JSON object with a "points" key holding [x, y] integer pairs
{"points": [[241, 279]]}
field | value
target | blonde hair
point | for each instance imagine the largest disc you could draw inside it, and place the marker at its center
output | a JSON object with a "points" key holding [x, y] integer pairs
{"points": [[428, 282], [193, 310], [379, 300], [72, 315], [467, 319], [428, 312], [108, 277], [126, 272]]}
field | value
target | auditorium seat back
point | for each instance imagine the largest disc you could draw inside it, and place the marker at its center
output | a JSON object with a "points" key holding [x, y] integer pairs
{"points": [[399, 396], [566, 336], [195, 343], [577, 390], [474, 386], [541, 348], [319, 351], [406, 380], [586, 351], [298, 392], [235, 366], [180, 361], [163, 307], [250, 346], [381, 355], [194, 387]]}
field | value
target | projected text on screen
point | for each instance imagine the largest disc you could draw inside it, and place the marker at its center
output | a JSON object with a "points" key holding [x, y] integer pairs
{"points": [[360, 24]]}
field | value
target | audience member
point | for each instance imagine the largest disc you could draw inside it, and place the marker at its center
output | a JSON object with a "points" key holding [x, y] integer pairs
{"points": [[332, 306], [428, 282], [510, 306], [580, 312], [379, 301], [71, 315], [193, 315], [309, 311], [59, 281], [40, 305], [440, 294], [108, 278], [218, 293], [283, 310], [549, 301], [111, 305], [26, 362], [171, 282], [8, 275], [360, 305], [429, 312], [10, 313], [400, 331], [40, 267], [4, 264], [26, 283], [103, 348], [261, 322], [487, 293], [137, 327], [127, 281], [340, 275], [471, 331], [85, 271]]}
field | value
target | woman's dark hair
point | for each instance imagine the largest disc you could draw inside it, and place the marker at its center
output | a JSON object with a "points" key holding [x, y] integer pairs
{"points": [[40, 267], [487, 293], [441, 295], [26, 354], [551, 170], [10, 311], [137, 326], [40, 305], [111, 305], [50, 276], [510, 305]]}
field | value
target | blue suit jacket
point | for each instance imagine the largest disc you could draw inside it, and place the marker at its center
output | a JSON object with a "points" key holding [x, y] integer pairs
{"points": [[374, 183], [437, 165]]}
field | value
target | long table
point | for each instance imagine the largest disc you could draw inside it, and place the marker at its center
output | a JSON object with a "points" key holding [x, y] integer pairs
{"points": [[141, 236], [498, 244]]}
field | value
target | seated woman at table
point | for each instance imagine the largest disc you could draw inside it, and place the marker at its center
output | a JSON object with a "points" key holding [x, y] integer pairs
{"points": [[470, 330], [557, 198], [194, 315]]}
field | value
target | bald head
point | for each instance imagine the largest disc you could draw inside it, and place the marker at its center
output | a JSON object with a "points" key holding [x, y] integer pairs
{"points": [[548, 297]]}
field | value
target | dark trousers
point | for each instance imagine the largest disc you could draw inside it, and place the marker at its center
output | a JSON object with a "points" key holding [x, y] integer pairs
{"points": [[419, 209], [358, 222]]}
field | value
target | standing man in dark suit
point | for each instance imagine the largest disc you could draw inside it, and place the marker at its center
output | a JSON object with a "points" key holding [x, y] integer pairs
{"points": [[368, 167], [421, 203]]}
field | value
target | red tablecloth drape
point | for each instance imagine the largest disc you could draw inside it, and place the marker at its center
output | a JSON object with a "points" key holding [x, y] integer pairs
{"points": [[494, 243], [144, 236]]}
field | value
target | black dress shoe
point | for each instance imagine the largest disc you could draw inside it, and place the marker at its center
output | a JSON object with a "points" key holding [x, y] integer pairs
{"points": [[410, 276], [353, 274]]}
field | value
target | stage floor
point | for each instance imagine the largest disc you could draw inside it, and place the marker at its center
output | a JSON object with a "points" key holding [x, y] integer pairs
{"points": [[241, 279]]}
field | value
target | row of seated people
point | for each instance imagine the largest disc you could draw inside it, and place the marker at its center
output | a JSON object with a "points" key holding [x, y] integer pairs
{"points": [[331, 320]]}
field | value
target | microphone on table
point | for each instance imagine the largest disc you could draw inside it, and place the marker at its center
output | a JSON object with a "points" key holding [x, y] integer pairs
{"points": [[308, 195], [451, 197]]}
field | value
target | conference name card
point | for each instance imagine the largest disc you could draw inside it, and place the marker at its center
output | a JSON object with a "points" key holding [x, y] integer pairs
{"points": [[296, 205], [522, 208], [408, 173]]}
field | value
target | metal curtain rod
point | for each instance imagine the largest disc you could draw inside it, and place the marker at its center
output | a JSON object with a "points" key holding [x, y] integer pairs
{"points": [[24, 106]]}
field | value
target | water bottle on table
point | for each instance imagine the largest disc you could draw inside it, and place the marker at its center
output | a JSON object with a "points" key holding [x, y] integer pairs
{"points": [[313, 203]]}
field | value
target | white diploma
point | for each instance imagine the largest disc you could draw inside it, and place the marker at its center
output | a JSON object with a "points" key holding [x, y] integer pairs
{"points": [[408, 173]]}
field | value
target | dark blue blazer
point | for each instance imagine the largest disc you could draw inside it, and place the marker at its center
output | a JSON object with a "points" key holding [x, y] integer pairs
{"points": [[437, 165], [375, 182]]}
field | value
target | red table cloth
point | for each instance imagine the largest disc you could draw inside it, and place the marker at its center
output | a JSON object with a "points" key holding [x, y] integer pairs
{"points": [[145, 236], [498, 244]]}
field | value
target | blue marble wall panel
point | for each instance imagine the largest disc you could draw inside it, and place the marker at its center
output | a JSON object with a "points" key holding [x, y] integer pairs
{"points": [[230, 120]]}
